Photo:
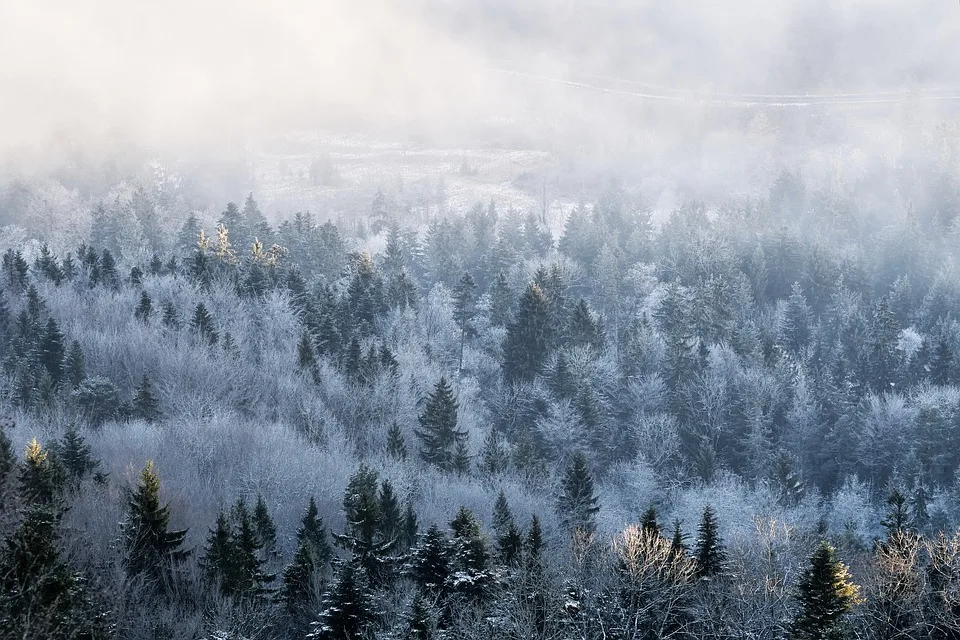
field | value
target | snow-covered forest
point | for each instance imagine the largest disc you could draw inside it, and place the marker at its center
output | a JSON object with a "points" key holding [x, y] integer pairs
{"points": [[471, 427], [431, 320]]}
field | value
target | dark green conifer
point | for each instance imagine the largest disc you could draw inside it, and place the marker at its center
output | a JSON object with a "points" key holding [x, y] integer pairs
{"points": [[825, 595], [202, 323], [577, 505], [52, 350], [710, 556], [302, 577], [348, 609], [146, 405], [438, 433], [396, 447], [306, 352], [144, 307], [152, 550], [430, 564], [420, 624], [528, 337], [264, 528], [648, 523], [40, 476], [73, 455]]}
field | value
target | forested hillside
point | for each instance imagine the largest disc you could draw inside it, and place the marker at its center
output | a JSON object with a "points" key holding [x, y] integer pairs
{"points": [[740, 421]]}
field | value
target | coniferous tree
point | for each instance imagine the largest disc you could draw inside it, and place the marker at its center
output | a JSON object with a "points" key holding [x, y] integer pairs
{"points": [[52, 350], [302, 577], [365, 536], [152, 549], [710, 556], [528, 337], [420, 625], [171, 318], [264, 528], [250, 580], [217, 561], [577, 505], [73, 455], [348, 610], [464, 308], [306, 352], [470, 558], [396, 447], [410, 527], [825, 595], [391, 516], [202, 323], [678, 541], [501, 301], [430, 563], [648, 523], [438, 432], [40, 476], [146, 405], [144, 307], [494, 456], [41, 596], [897, 520]]}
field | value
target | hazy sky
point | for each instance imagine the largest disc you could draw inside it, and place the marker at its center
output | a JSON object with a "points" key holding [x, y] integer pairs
{"points": [[190, 72]]}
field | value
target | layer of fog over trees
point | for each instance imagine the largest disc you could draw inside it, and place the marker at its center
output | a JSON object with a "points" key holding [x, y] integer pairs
{"points": [[524, 320]]}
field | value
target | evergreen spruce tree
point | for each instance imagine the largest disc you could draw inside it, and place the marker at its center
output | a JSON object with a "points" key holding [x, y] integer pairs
{"points": [[897, 520], [494, 456], [74, 366], [145, 402], [73, 455], [919, 513], [648, 523], [302, 577], [41, 596], [144, 307], [249, 578], [52, 350], [577, 505], [464, 309], [202, 323], [171, 318], [152, 550], [501, 301], [678, 541], [40, 476], [391, 516], [348, 609], [396, 447], [710, 556], [461, 459], [508, 536], [470, 556], [264, 528], [430, 563], [410, 527], [584, 330], [306, 352], [108, 271], [825, 595], [438, 433], [217, 561], [420, 625], [365, 537], [528, 337]]}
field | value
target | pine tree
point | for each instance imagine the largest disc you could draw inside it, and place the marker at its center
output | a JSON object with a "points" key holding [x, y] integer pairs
{"points": [[430, 563], [301, 578], [40, 476], [217, 561], [152, 549], [470, 558], [464, 308], [202, 323], [144, 307], [420, 625], [710, 556], [73, 455], [74, 365], [501, 301], [42, 597], [678, 541], [528, 337], [396, 447], [920, 515], [171, 318], [578, 505], [410, 527], [264, 528], [365, 537], [438, 433], [347, 610], [108, 271], [494, 456], [584, 330], [825, 595], [249, 578], [145, 403], [897, 520], [306, 352], [391, 517], [648, 523], [52, 350]]}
